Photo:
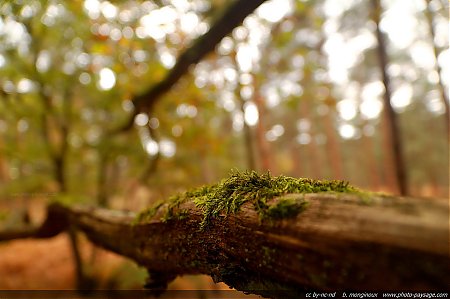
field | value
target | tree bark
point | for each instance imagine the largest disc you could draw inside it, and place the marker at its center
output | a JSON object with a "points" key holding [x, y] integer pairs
{"points": [[339, 242]]}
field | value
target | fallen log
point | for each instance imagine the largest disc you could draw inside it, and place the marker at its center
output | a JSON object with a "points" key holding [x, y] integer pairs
{"points": [[324, 241]]}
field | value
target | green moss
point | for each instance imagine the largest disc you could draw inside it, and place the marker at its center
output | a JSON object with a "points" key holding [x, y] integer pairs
{"points": [[230, 194], [285, 208], [175, 215], [149, 213]]}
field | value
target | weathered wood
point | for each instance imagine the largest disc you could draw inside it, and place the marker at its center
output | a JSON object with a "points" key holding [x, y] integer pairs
{"points": [[339, 242]]}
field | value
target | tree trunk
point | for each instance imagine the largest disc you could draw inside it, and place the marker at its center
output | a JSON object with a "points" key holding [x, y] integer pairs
{"points": [[333, 145], [339, 242], [370, 161], [437, 52], [393, 132], [102, 186], [312, 148], [265, 156], [248, 138]]}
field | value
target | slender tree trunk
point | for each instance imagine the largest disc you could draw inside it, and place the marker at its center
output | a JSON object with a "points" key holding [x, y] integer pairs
{"points": [[3, 171], [370, 159], [394, 136], [333, 146], [264, 151], [4, 176], [59, 164], [74, 245], [102, 197], [298, 170], [434, 176], [390, 180], [291, 132], [437, 52], [248, 139], [60, 157], [312, 148]]}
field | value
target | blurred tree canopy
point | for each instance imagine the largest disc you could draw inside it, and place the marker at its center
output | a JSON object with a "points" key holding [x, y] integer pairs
{"points": [[296, 89]]}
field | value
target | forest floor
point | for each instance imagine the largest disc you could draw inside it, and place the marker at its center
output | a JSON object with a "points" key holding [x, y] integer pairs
{"points": [[47, 264]]}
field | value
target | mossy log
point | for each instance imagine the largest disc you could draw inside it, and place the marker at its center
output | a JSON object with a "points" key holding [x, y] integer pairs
{"points": [[339, 242]]}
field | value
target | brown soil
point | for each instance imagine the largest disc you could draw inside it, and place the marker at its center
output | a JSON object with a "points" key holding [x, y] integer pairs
{"points": [[48, 265], [30, 264]]}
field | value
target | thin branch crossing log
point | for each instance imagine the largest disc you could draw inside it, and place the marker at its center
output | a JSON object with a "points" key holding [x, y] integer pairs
{"points": [[339, 242]]}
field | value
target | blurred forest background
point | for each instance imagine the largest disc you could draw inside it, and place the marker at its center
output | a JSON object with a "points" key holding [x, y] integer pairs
{"points": [[297, 89]]}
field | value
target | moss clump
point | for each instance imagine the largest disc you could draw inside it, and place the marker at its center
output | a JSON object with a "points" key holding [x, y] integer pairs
{"points": [[285, 208], [230, 194]]}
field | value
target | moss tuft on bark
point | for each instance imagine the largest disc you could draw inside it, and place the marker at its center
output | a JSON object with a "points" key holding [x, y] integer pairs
{"points": [[230, 194]]}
